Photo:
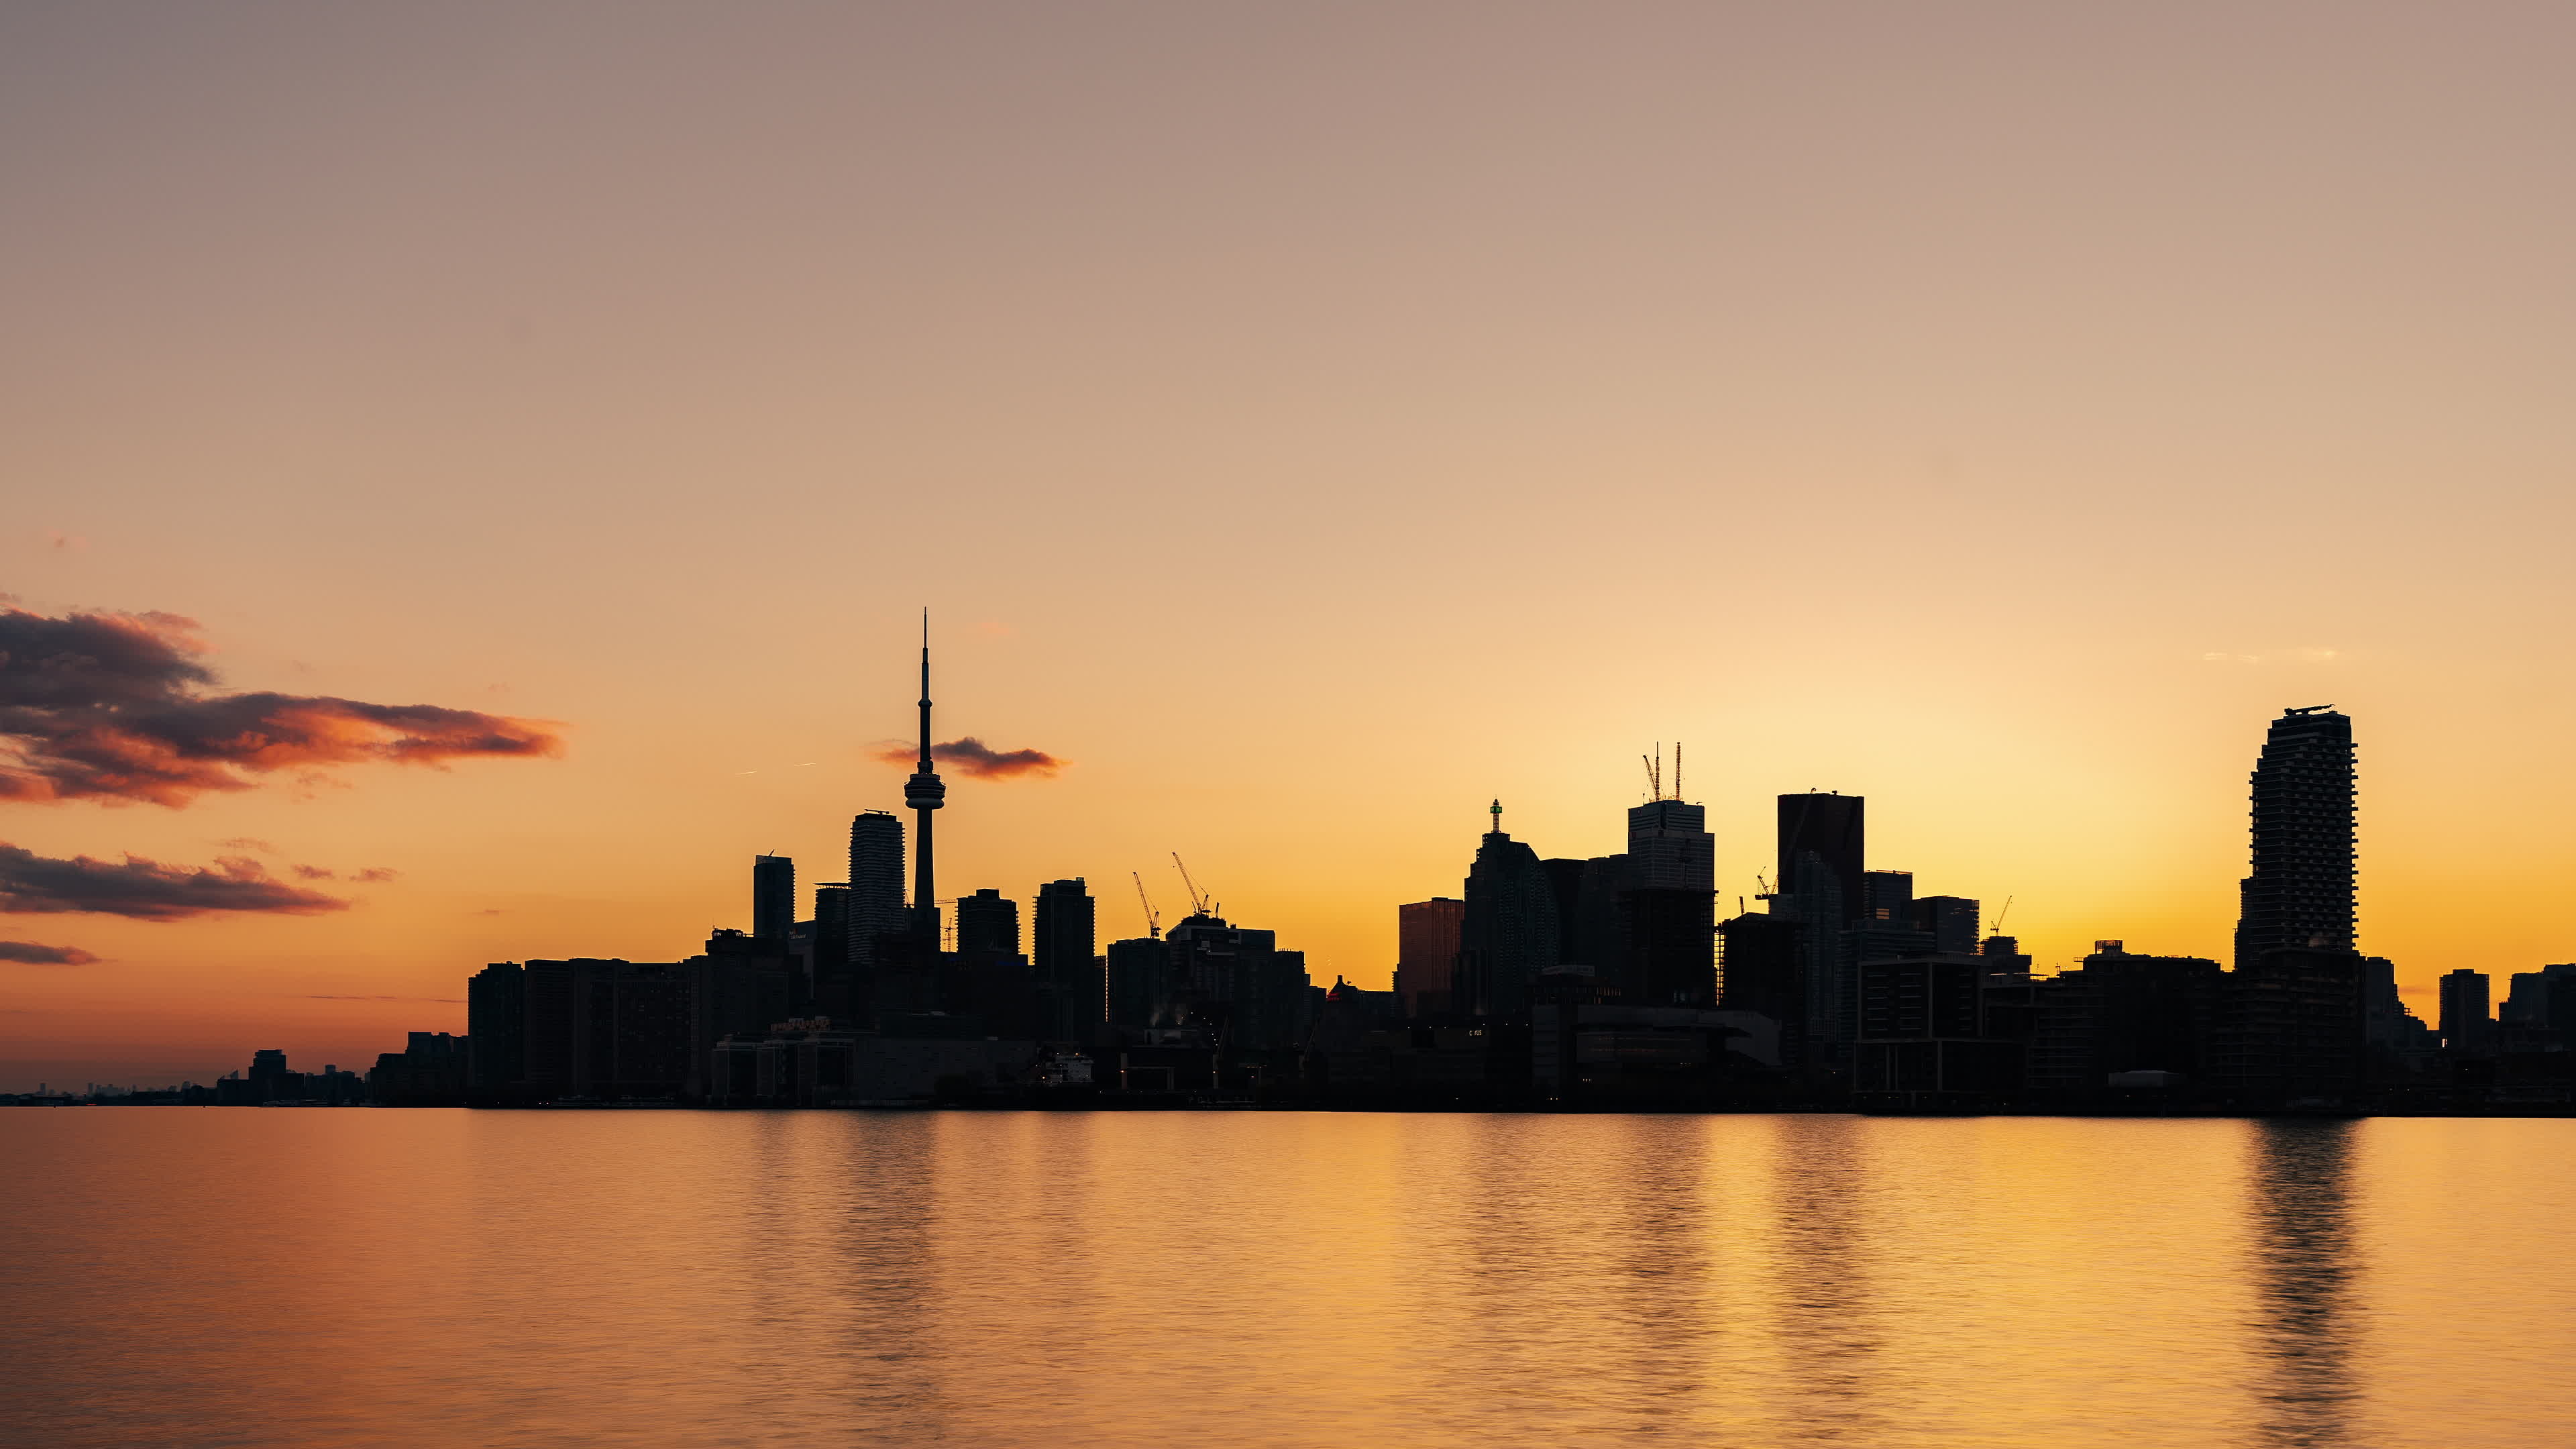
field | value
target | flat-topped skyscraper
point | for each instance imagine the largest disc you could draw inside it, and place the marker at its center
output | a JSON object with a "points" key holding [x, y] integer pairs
{"points": [[1669, 847], [2301, 891]]}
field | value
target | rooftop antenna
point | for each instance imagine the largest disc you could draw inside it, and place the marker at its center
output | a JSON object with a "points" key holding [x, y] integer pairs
{"points": [[1677, 769], [1199, 905], [1153, 921], [1498, 817]]}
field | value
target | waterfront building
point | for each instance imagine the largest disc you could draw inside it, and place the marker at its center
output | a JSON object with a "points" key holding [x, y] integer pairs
{"points": [[496, 1028], [2300, 894]]}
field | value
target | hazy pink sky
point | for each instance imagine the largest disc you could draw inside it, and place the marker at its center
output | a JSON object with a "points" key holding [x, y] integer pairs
{"points": [[1310, 422]]}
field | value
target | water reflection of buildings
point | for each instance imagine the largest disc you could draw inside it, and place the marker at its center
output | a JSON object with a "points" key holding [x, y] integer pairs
{"points": [[1824, 1326], [2299, 1211]]}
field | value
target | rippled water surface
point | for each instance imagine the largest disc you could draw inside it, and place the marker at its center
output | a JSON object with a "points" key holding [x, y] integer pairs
{"points": [[212, 1276]]}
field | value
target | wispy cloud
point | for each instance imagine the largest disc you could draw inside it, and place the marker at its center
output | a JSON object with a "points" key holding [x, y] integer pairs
{"points": [[115, 707], [973, 758], [448, 1000], [2312, 655], [147, 890], [28, 953]]}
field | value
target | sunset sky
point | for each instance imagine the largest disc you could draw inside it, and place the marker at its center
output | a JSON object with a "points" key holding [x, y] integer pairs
{"points": [[1308, 423]]}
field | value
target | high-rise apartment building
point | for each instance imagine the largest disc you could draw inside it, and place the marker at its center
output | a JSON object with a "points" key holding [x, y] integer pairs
{"points": [[876, 882], [988, 924], [773, 899], [496, 1026], [2301, 892]]}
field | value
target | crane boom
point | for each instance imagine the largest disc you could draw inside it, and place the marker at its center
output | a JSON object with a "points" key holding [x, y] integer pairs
{"points": [[1198, 903], [1153, 922]]}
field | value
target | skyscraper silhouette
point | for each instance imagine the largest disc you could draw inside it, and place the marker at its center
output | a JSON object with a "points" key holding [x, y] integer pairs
{"points": [[2301, 891], [923, 794], [1509, 931], [773, 899], [1426, 954], [876, 882], [988, 924], [1666, 915], [1822, 837], [1822, 833]]}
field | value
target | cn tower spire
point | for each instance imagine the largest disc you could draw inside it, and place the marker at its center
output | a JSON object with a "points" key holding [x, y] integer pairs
{"points": [[924, 793]]}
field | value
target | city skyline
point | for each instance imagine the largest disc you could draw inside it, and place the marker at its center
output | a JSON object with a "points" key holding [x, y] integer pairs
{"points": [[775, 898], [1304, 431], [2307, 798]]}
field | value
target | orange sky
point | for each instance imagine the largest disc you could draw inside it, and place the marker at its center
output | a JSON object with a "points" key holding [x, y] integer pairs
{"points": [[1311, 424]]}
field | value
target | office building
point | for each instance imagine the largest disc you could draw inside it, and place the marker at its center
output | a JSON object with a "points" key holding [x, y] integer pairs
{"points": [[1821, 844], [1237, 984], [773, 898], [1665, 909], [1821, 841], [1139, 985], [2466, 1026], [831, 988], [1951, 921], [2300, 894], [1669, 847], [1426, 952], [1068, 973], [1508, 932]]}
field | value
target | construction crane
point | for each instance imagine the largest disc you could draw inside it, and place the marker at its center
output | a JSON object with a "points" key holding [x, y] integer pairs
{"points": [[1199, 905], [1153, 922], [1997, 928]]}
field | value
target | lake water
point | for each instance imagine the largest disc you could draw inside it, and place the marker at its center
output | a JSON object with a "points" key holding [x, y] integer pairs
{"points": [[213, 1277]]}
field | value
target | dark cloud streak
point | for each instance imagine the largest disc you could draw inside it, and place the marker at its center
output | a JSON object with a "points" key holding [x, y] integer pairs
{"points": [[28, 953], [147, 890], [111, 706], [975, 759]]}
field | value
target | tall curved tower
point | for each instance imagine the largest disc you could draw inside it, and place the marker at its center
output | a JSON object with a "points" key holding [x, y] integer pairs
{"points": [[922, 794], [2300, 893]]}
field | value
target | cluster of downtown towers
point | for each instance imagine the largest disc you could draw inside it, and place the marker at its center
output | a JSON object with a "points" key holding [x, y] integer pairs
{"points": [[1608, 981]]}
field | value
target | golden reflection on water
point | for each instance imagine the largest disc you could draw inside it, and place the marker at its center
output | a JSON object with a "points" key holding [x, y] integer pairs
{"points": [[306, 1278]]}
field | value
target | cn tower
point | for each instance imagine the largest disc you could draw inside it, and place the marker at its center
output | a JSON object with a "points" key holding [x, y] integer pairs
{"points": [[924, 793]]}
